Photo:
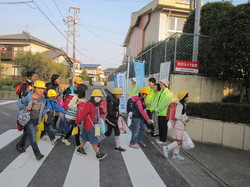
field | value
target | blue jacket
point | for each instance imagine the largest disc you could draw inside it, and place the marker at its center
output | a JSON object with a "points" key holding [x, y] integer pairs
{"points": [[23, 102], [52, 105]]}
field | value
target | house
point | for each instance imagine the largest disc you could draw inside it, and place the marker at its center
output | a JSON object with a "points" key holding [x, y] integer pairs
{"points": [[78, 70], [93, 70], [156, 21], [109, 71], [22, 42]]}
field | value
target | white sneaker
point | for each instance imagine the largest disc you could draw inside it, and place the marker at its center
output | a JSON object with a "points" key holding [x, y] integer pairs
{"points": [[160, 142], [43, 138]]}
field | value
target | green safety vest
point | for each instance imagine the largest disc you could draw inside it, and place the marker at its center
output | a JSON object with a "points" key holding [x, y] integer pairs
{"points": [[166, 98], [149, 97]]}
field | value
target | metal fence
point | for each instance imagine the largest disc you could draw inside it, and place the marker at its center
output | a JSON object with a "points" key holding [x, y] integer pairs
{"points": [[178, 46]]}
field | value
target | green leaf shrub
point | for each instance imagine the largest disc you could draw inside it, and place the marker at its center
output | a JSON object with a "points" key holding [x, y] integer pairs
{"points": [[230, 112]]}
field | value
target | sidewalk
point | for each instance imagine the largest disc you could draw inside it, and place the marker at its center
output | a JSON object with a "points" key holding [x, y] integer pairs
{"points": [[212, 165]]}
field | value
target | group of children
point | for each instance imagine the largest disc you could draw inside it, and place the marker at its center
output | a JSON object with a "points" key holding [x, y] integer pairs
{"points": [[42, 104], [150, 115]]}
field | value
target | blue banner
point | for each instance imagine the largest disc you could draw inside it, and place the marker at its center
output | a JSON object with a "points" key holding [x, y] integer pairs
{"points": [[139, 68], [115, 81], [120, 82]]}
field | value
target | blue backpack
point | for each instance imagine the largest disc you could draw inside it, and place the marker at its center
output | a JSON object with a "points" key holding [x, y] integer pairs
{"points": [[23, 117]]}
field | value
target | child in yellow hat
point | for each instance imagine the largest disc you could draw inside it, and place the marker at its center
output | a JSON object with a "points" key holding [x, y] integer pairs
{"points": [[178, 127]]}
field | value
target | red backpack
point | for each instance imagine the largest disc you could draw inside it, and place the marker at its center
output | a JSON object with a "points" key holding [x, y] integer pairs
{"points": [[171, 111], [21, 88], [67, 101]]}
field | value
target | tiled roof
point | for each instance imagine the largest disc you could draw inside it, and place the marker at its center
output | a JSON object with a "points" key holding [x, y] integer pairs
{"points": [[25, 36], [54, 54]]}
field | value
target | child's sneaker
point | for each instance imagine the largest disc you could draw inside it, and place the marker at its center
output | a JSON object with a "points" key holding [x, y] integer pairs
{"points": [[100, 156], [165, 151], [80, 151], [54, 141], [39, 156], [66, 141], [178, 157], [142, 145], [20, 148], [120, 149], [135, 146], [43, 138]]}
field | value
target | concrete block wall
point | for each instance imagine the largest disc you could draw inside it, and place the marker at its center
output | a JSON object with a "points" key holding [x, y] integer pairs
{"points": [[236, 135]]}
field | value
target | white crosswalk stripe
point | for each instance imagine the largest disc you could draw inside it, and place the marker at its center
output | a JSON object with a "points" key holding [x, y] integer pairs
{"points": [[140, 169], [8, 137], [84, 167], [7, 102], [81, 168], [24, 167]]}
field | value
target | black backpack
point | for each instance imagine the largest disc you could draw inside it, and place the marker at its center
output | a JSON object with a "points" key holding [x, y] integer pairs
{"points": [[130, 105]]}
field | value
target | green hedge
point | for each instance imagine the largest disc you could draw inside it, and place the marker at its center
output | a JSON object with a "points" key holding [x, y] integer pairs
{"points": [[230, 112]]}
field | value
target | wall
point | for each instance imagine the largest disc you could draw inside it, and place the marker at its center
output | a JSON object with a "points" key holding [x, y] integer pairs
{"points": [[200, 88], [236, 135], [152, 30]]}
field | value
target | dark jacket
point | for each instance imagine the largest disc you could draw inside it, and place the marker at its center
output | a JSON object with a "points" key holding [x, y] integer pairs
{"points": [[139, 111], [112, 109]]}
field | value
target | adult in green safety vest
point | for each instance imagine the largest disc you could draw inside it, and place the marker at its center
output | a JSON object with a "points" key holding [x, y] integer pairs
{"points": [[148, 100], [165, 99], [155, 98], [133, 91]]}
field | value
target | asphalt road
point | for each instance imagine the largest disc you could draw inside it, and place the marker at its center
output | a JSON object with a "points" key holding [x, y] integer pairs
{"points": [[63, 167]]}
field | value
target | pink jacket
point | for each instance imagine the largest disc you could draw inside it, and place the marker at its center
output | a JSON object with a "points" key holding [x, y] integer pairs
{"points": [[141, 106]]}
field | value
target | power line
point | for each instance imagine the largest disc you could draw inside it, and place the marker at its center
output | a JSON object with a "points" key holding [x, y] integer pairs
{"points": [[58, 9], [52, 14], [50, 21], [18, 2], [103, 29], [102, 37]]}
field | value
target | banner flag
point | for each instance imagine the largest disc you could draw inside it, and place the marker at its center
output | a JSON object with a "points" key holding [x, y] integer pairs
{"points": [[120, 82], [139, 68]]}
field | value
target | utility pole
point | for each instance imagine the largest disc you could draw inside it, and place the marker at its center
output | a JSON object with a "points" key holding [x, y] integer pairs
{"points": [[196, 31], [75, 21], [68, 21]]}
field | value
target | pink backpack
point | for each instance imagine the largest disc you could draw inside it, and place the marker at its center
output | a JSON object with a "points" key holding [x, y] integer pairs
{"points": [[171, 111]]}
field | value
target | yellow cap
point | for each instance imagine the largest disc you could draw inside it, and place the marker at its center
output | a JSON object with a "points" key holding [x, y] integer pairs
{"points": [[181, 94], [39, 84], [78, 80], [117, 91], [144, 90], [51, 93], [97, 93]]}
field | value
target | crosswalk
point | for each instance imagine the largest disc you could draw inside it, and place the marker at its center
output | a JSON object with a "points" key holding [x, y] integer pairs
{"points": [[86, 168]]}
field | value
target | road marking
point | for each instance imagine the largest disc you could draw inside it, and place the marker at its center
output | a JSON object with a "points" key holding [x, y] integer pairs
{"points": [[8, 137], [140, 170], [83, 168], [24, 167], [7, 102]]}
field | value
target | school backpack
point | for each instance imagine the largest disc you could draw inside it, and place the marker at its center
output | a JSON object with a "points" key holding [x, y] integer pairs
{"points": [[23, 117], [130, 105], [67, 101], [21, 89], [171, 111]]}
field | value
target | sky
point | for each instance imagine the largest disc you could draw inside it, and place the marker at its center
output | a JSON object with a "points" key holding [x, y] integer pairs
{"points": [[101, 30]]}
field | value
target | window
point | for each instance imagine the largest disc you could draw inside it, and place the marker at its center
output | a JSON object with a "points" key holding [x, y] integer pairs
{"points": [[175, 24]]}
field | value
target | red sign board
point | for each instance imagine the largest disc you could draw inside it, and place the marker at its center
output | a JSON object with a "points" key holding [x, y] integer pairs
{"points": [[187, 66]]}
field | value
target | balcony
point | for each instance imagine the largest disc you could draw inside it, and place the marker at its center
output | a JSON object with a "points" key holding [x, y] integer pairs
{"points": [[8, 55]]}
